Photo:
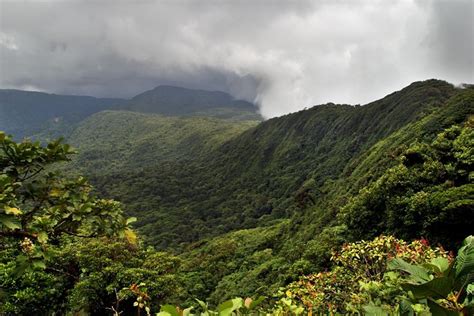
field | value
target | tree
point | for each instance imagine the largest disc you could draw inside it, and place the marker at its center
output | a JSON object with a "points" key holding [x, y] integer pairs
{"points": [[38, 206]]}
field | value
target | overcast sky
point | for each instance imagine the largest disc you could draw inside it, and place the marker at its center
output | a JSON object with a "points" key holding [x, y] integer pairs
{"points": [[284, 55]]}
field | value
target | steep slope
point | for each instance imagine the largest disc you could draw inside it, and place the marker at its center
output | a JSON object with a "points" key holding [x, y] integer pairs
{"points": [[172, 101], [24, 113], [413, 183], [251, 208], [118, 141], [43, 115], [277, 170]]}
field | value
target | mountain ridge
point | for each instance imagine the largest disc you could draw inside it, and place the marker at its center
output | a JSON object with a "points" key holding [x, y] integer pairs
{"points": [[272, 165], [40, 114]]}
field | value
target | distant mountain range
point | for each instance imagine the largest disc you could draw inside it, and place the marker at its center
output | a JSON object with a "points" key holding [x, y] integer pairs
{"points": [[27, 113], [173, 101], [252, 205]]}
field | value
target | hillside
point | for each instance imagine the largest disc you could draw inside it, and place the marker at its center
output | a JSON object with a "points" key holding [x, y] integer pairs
{"points": [[46, 116], [281, 168], [280, 185], [135, 141], [303, 209], [176, 101], [25, 113], [385, 189]]}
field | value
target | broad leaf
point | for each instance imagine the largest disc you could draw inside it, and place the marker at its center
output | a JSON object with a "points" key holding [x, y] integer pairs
{"points": [[438, 310], [436, 288], [131, 220], [168, 310], [373, 310], [417, 273], [226, 308], [438, 264], [464, 266], [10, 221], [13, 210]]}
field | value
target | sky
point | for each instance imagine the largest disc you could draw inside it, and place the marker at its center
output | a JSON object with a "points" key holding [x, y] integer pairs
{"points": [[282, 55]]}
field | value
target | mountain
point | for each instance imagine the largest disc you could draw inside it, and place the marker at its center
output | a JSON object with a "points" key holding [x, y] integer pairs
{"points": [[278, 169], [175, 101], [262, 204], [119, 141], [25, 113], [43, 115], [246, 208]]}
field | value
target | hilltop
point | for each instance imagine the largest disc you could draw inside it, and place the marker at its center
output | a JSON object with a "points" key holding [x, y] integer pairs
{"points": [[44, 115]]}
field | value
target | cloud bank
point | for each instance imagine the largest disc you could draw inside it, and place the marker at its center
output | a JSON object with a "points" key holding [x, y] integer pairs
{"points": [[284, 55]]}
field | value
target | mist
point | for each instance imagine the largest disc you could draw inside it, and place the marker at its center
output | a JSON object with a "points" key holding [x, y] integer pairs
{"points": [[283, 55]]}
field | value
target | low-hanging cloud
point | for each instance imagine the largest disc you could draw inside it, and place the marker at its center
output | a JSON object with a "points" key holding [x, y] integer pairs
{"points": [[284, 55]]}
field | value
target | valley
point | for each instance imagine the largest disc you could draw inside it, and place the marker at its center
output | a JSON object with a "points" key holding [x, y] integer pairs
{"points": [[249, 206]]}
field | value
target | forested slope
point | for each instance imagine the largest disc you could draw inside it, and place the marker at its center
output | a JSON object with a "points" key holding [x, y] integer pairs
{"points": [[285, 166], [136, 141], [248, 209], [46, 116], [26, 113], [177, 101], [416, 182]]}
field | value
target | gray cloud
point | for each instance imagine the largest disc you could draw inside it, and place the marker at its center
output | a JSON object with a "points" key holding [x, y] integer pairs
{"points": [[285, 55]]}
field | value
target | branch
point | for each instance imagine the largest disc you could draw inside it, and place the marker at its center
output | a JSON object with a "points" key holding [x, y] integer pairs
{"points": [[62, 272], [93, 235], [26, 177], [18, 233], [27, 216]]}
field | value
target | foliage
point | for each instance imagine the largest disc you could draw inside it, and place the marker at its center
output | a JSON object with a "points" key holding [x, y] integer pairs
{"points": [[283, 168], [27, 113], [443, 286], [243, 211], [136, 141], [92, 276], [359, 276], [177, 101], [385, 276], [37, 207], [429, 193], [236, 306]]}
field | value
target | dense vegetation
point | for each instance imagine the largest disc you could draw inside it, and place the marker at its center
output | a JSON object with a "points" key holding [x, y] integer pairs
{"points": [[28, 113], [25, 113], [137, 141], [172, 101], [276, 210], [298, 165]]}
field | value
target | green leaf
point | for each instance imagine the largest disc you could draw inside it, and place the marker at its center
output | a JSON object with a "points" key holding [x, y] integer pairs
{"points": [[42, 237], [256, 302], [131, 220], [10, 221], [405, 308], [437, 288], [373, 310], [13, 210], [39, 264], [438, 264], [417, 273], [464, 266], [226, 308], [438, 310], [187, 311], [169, 310], [470, 289], [202, 304]]}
